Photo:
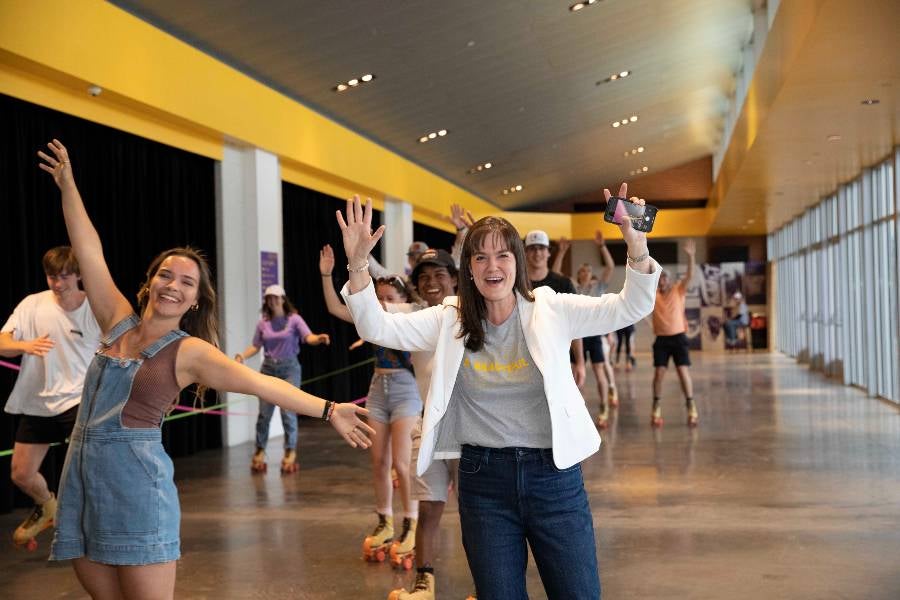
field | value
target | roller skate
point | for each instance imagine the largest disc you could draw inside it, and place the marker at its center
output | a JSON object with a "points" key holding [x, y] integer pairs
{"points": [[603, 417], [423, 589], [289, 462], [693, 417], [656, 419], [613, 396], [403, 550], [41, 518], [258, 462], [377, 545]]}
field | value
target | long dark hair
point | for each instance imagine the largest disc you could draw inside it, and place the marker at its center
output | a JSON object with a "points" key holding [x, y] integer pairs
{"points": [[472, 309], [202, 322], [289, 309]]}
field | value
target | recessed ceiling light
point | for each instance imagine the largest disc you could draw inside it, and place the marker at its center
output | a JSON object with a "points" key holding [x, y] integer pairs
{"points": [[644, 169], [616, 124], [353, 83], [615, 77], [625, 121], [640, 148], [633, 118], [432, 135], [512, 189], [423, 139], [577, 7], [833, 138], [442, 132], [624, 73], [481, 167], [488, 165], [871, 101]]}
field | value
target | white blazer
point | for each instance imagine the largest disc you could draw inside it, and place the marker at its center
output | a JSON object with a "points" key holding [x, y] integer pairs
{"points": [[550, 323]]}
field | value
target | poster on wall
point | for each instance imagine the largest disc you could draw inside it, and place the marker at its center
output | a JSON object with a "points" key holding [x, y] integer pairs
{"points": [[710, 284], [693, 316], [712, 337], [268, 270], [755, 282]]}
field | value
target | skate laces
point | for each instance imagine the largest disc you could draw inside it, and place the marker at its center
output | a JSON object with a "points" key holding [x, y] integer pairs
{"points": [[421, 582], [35, 516], [405, 531], [382, 524]]}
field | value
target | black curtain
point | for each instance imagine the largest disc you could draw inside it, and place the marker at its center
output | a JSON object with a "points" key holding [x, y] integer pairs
{"points": [[434, 237], [309, 223], [142, 196]]}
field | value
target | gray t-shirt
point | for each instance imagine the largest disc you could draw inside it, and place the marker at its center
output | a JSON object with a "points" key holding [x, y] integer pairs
{"points": [[498, 400]]}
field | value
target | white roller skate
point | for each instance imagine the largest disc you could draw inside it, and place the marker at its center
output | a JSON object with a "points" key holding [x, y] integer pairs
{"points": [[377, 545], [42, 517], [656, 419], [403, 550], [423, 589], [258, 462], [693, 417]]}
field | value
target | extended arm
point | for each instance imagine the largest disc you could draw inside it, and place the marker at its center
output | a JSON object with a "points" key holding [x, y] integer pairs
{"points": [[202, 363], [690, 248], [564, 245], [326, 267], [107, 302], [609, 265], [10, 347], [248, 352]]}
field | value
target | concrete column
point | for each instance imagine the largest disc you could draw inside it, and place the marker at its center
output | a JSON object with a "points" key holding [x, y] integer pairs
{"points": [[248, 224], [398, 234]]}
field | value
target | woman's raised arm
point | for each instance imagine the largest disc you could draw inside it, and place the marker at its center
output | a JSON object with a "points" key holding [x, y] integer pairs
{"points": [[107, 302]]}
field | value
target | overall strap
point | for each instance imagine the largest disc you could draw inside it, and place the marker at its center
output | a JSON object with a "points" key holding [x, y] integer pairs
{"points": [[162, 342], [129, 322]]}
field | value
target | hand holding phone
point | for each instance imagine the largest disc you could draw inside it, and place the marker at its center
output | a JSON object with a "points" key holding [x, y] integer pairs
{"points": [[642, 216]]}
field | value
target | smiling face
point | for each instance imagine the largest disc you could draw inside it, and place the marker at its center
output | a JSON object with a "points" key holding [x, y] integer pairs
{"points": [[584, 274], [275, 304], [173, 289], [537, 255], [388, 293], [63, 284], [493, 268], [434, 283]]}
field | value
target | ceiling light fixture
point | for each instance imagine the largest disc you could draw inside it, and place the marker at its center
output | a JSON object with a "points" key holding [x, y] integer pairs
{"points": [[512, 189], [353, 83], [479, 168], [625, 121], [579, 5], [870, 101], [432, 136], [833, 138], [614, 77]]}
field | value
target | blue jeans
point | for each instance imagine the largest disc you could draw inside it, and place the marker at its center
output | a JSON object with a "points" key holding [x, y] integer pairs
{"points": [[289, 370], [731, 326], [512, 496]]}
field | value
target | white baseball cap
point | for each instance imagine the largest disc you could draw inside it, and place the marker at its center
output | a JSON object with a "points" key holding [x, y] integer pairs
{"points": [[537, 238], [274, 290]]}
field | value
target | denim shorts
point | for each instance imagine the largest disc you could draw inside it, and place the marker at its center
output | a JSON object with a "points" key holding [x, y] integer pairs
{"points": [[393, 396]]}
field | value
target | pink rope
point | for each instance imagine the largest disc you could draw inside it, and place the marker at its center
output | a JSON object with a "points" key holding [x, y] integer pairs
{"points": [[9, 365]]}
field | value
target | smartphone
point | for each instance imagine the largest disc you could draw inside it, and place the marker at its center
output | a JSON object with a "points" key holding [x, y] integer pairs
{"points": [[642, 216]]}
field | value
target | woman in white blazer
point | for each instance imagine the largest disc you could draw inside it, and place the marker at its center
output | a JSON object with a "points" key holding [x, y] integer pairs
{"points": [[503, 399]]}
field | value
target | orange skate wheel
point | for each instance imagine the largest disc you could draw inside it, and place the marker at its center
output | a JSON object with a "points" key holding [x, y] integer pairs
{"points": [[32, 545]]}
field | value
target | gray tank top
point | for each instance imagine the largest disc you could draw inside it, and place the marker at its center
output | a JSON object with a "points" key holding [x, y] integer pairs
{"points": [[498, 400]]}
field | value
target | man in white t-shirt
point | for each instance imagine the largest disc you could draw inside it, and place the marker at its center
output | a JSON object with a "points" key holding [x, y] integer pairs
{"points": [[56, 334]]}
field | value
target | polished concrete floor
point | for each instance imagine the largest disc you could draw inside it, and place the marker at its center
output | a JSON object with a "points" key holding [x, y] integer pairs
{"points": [[790, 488]]}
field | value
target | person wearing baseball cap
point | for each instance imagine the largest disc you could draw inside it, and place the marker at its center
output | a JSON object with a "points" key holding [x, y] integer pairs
{"points": [[279, 333], [537, 255]]}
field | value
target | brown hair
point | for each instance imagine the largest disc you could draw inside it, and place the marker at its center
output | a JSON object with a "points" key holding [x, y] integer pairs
{"points": [[60, 260], [203, 322], [472, 309], [395, 282], [289, 308]]}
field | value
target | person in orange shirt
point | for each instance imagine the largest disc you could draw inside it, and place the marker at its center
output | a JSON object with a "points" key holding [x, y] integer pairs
{"points": [[670, 325]]}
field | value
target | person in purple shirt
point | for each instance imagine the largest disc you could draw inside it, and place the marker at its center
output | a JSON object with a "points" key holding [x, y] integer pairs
{"points": [[279, 333]]}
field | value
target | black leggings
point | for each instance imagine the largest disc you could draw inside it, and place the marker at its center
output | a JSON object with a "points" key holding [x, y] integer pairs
{"points": [[624, 337]]}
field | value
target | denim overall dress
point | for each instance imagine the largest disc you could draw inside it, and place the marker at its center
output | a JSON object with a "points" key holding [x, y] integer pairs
{"points": [[118, 504]]}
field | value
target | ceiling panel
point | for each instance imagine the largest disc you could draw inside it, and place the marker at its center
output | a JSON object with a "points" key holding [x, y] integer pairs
{"points": [[513, 81]]}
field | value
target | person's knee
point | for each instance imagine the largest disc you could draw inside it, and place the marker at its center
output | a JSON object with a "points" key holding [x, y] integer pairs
{"points": [[22, 477]]}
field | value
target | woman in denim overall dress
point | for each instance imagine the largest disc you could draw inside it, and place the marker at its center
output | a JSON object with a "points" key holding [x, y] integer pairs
{"points": [[118, 518], [279, 333]]}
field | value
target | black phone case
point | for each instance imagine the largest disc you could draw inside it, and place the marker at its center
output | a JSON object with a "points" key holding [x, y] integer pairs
{"points": [[645, 226]]}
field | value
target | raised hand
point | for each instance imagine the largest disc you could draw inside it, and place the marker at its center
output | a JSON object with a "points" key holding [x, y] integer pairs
{"points": [[326, 260], [598, 238], [690, 248], [461, 219], [636, 240], [564, 245], [345, 419], [357, 231], [57, 165], [38, 346]]}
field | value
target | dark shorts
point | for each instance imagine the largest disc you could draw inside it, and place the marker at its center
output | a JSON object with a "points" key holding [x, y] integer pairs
{"points": [[46, 430], [593, 348], [674, 346]]}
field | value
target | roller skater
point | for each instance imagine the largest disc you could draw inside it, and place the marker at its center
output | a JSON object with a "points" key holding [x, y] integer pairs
{"points": [[403, 548], [55, 333], [258, 462], [670, 325], [289, 462], [41, 518], [377, 545], [279, 334], [603, 417], [422, 590]]}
